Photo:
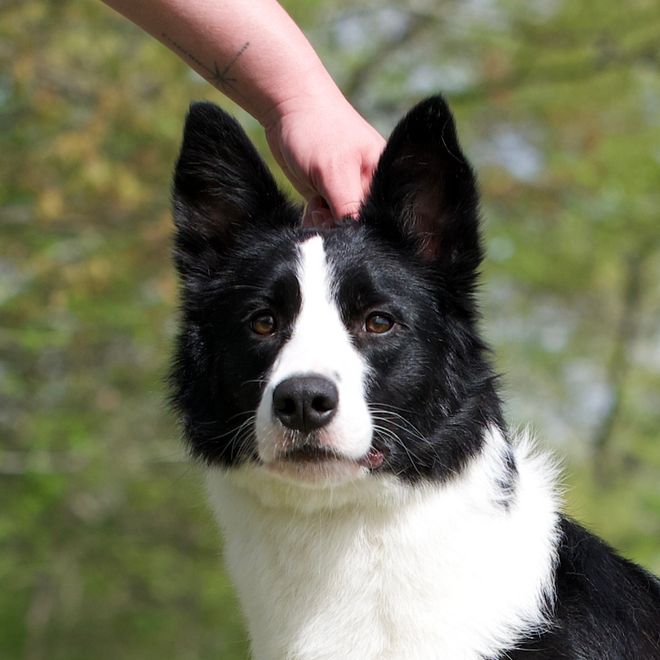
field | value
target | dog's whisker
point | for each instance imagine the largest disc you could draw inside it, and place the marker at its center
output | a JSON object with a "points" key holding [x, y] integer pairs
{"points": [[258, 381], [395, 438]]}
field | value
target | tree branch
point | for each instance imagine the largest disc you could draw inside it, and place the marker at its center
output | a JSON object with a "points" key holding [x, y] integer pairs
{"points": [[619, 364], [362, 75]]}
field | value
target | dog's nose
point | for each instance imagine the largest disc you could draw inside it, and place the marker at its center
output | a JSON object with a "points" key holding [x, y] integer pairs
{"points": [[305, 403]]}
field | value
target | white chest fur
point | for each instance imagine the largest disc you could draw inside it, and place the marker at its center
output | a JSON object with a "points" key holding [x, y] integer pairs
{"points": [[379, 569]]}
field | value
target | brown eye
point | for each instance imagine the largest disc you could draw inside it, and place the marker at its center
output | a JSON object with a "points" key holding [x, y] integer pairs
{"points": [[263, 324], [378, 323]]}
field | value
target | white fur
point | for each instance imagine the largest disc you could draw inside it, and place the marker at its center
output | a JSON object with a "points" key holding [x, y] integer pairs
{"points": [[321, 345], [376, 569]]}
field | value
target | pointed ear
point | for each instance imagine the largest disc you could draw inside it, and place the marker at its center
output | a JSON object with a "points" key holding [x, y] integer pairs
{"points": [[425, 193], [220, 184]]}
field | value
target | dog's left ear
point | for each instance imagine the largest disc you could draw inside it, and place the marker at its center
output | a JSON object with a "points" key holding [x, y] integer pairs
{"points": [[425, 193], [221, 184]]}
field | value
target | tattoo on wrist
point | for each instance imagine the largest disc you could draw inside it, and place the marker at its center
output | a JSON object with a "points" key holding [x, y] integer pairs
{"points": [[215, 75]]}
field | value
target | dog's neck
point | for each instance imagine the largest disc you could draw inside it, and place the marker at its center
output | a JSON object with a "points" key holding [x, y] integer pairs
{"points": [[381, 569]]}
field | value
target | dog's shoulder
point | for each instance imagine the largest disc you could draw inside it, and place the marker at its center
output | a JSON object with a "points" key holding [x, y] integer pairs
{"points": [[605, 606]]}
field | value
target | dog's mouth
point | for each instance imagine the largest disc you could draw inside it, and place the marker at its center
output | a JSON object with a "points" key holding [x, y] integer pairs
{"points": [[373, 459], [313, 454], [310, 454]]}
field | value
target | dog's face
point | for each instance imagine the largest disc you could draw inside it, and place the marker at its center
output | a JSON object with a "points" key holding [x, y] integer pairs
{"points": [[328, 355]]}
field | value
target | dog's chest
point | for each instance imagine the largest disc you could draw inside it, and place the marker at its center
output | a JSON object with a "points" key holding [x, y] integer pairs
{"points": [[437, 577]]}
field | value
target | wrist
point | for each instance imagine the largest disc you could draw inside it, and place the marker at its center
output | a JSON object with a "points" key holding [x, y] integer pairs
{"points": [[310, 92]]}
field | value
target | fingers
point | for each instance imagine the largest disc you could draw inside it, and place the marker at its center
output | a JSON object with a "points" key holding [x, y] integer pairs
{"points": [[341, 196], [343, 189], [341, 193], [332, 173], [317, 213]]}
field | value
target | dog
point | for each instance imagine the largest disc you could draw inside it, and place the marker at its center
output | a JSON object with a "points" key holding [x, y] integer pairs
{"points": [[373, 501]]}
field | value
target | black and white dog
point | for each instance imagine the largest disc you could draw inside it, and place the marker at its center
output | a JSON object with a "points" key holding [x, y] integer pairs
{"points": [[374, 503]]}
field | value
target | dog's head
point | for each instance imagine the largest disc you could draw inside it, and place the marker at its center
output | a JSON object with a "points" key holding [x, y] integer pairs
{"points": [[327, 355]]}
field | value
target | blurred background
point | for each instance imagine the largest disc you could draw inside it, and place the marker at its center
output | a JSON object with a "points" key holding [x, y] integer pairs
{"points": [[107, 549]]}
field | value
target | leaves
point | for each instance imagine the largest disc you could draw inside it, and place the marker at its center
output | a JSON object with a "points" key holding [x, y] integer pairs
{"points": [[108, 550]]}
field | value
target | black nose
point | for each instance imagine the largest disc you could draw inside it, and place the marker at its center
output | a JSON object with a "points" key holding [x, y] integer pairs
{"points": [[305, 403]]}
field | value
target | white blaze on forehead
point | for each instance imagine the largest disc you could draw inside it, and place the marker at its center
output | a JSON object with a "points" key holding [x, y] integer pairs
{"points": [[320, 344]]}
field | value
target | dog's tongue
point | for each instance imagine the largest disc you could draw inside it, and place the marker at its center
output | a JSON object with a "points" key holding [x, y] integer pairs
{"points": [[373, 459]]}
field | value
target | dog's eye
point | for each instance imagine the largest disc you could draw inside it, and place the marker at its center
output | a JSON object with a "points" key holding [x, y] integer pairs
{"points": [[263, 324], [378, 323]]}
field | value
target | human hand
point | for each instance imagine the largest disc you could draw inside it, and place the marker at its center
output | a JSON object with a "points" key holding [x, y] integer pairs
{"points": [[328, 152]]}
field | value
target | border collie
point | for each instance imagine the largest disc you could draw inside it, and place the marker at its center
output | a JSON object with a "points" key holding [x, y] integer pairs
{"points": [[374, 503]]}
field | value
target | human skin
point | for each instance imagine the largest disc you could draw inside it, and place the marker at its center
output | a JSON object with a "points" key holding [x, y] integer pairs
{"points": [[254, 53]]}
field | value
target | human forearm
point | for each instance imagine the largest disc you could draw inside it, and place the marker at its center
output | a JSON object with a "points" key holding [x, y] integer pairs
{"points": [[254, 53], [251, 51]]}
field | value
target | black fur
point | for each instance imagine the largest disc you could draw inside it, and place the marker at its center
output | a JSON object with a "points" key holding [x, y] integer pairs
{"points": [[606, 607], [415, 252]]}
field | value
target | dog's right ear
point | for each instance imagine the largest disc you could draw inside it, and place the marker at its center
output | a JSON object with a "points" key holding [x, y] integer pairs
{"points": [[424, 194], [220, 184]]}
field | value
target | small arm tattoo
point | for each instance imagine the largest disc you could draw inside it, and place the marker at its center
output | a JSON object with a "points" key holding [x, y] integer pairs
{"points": [[215, 75]]}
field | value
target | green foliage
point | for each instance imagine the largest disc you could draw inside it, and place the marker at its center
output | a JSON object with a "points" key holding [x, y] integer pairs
{"points": [[106, 547]]}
